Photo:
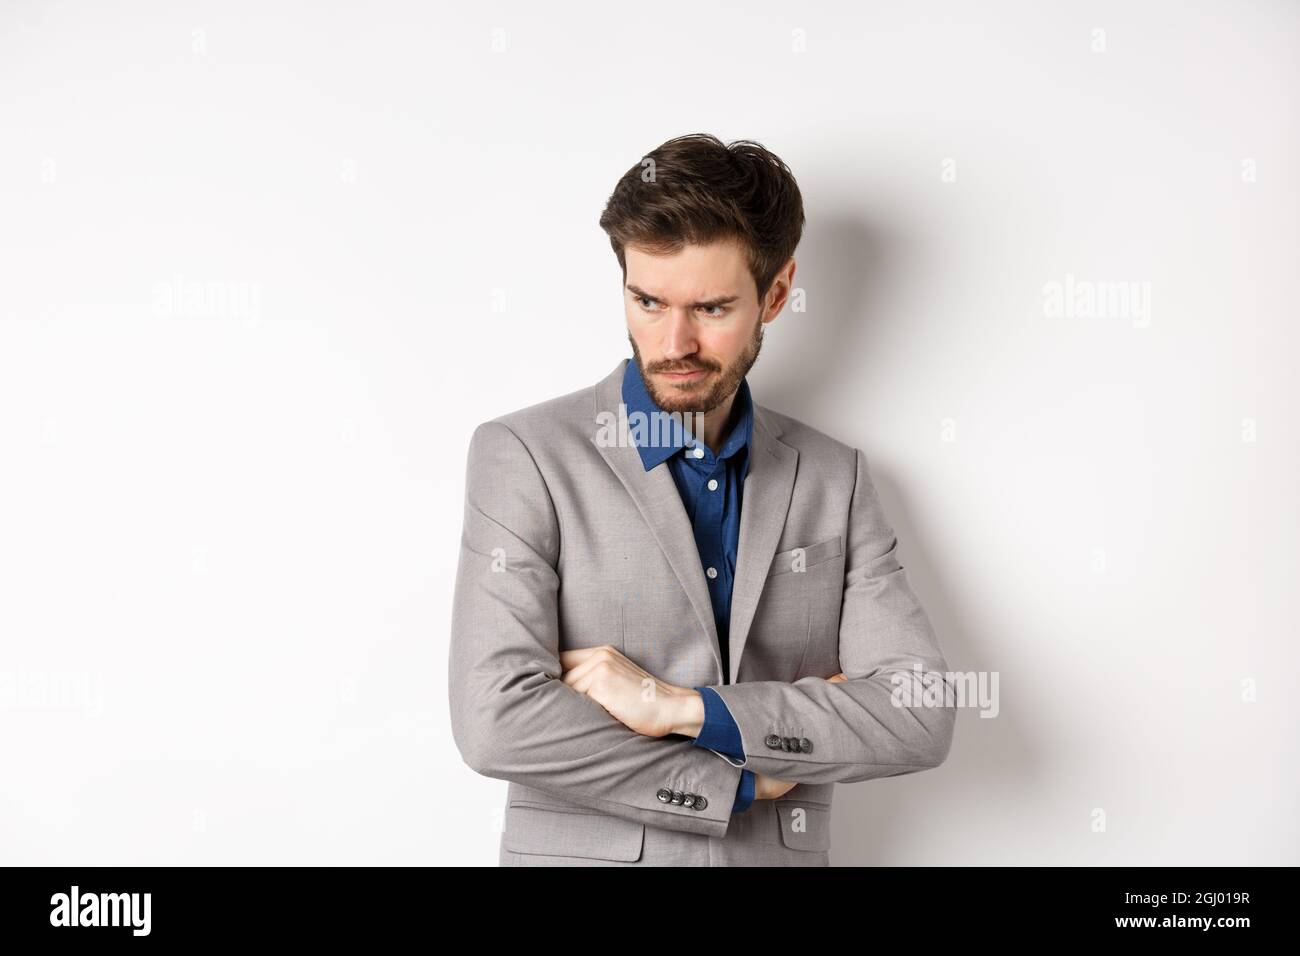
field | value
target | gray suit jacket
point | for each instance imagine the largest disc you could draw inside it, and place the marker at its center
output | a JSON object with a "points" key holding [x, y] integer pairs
{"points": [[568, 542]]}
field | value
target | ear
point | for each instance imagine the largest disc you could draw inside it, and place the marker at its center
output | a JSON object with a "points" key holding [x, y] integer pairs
{"points": [[780, 291]]}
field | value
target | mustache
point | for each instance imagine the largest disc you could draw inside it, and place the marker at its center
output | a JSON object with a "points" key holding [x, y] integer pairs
{"points": [[683, 368]]}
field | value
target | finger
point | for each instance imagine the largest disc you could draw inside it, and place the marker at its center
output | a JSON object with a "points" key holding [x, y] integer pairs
{"points": [[575, 656], [581, 676], [574, 676]]}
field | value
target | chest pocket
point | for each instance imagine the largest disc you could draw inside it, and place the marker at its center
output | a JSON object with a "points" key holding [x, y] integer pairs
{"points": [[799, 560], [795, 632]]}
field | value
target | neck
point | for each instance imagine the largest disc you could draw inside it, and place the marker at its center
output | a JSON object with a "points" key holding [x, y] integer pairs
{"points": [[715, 423]]}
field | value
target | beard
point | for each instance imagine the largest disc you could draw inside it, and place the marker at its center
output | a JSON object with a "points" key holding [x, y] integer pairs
{"points": [[707, 393]]}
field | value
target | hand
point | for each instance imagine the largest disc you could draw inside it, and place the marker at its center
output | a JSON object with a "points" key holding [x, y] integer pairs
{"points": [[631, 695], [769, 788]]}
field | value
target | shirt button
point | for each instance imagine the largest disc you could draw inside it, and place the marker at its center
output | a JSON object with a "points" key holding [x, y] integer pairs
{"points": [[713, 484], [712, 572], [697, 453]]}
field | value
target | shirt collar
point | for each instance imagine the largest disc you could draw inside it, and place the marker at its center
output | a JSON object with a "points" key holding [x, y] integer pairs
{"points": [[637, 399]]}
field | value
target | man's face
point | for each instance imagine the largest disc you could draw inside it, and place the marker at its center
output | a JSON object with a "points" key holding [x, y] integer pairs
{"points": [[694, 321]]}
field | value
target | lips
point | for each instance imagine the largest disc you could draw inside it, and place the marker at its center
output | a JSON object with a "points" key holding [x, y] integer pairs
{"points": [[684, 376]]}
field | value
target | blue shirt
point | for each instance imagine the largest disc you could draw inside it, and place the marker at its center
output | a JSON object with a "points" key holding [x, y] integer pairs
{"points": [[710, 487]]}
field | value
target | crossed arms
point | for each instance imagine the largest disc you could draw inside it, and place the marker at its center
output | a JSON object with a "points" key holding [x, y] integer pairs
{"points": [[585, 732]]}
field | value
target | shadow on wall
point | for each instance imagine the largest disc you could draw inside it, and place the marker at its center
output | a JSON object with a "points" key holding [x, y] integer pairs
{"points": [[845, 269], [844, 335]]}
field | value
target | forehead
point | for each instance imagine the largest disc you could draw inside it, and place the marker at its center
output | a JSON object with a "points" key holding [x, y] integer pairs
{"points": [[696, 272]]}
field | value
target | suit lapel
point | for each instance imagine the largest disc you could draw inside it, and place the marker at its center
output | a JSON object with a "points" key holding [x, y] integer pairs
{"points": [[656, 496], [763, 510], [764, 506]]}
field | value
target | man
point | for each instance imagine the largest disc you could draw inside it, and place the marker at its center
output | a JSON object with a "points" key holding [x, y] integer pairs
{"points": [[679, 616]]}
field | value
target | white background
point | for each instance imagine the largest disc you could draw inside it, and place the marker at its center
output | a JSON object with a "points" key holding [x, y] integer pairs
{"points": [[229, 524]]}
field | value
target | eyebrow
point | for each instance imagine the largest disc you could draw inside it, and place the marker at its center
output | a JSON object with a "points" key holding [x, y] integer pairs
{"points": [[706, 304]]}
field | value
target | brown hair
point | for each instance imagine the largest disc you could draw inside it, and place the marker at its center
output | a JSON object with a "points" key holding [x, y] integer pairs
{"points": [[694, 189]]}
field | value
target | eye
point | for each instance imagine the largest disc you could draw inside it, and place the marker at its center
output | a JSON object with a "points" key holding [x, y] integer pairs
{"points": [[644, 301], [717, 313]]}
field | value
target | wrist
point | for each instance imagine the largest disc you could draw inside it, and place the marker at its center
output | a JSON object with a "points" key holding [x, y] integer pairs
{"points": [[686, 712]]}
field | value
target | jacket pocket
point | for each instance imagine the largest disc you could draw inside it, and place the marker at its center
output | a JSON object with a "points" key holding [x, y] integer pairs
{"points": [[786, 562], [804, 825], [561, 831]]}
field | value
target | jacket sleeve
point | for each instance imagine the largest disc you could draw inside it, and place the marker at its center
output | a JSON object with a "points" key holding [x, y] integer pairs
{"points": [[895, 712], [512, 716], [720, 735]]}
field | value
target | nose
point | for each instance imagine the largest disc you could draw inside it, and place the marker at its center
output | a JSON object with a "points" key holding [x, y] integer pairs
{"points": [[679, 335]]}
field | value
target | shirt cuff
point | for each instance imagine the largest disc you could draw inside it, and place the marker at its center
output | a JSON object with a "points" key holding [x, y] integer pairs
{"points": [[744, 792], [719, 732]]}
